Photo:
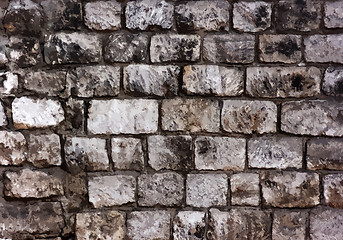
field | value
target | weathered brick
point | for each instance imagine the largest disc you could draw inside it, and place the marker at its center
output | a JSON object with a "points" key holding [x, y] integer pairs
{"points": [[324, 153], [229, 48], [151, 80], [145, 225], [333, 190], [275, 152], [245, 189], [103, 15], [170, 152], [324, 48], [206, 190], [248, 117], [189, 225], [74, 114], [32, 184], [333, 82], [194, 115], [127, 153], [9, 82], [64, 48], [165, 189], [202, 15], [333, 14], [126, 47], [107, 191], [75, 192], [174, 47], [3, 118], [289, 225], [290, 189], [146, 13], [312, 117], [101, 225], [24, 51], [12, 148], [123, 116], [219, 153], [213, 80], [283, 82], [36, 113], [3, 47], [252, 16]]}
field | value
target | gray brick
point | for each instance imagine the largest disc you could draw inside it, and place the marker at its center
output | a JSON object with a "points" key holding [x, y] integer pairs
{"points": [[333, 14], [333, 82], [324, 48], [189, 225], [289, 225]]}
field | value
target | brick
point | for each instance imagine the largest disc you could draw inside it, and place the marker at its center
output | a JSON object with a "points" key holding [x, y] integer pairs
{"points": [[127, 153], [3, 47], [24, 51], [44, 150], [3, 118], [103, 225], [174, 47], [219, 153], [202, 15], [32, 184], [144, 225], [151, 80], [324, 153], [312, 117], [74, 114], [206, 190], [103, 15], [12, 148], [333, 82], [280, 48], [194, 115], [243, 116], [245, 189], [147, 13], [170, 152], [9, 83], [189, 225], [290, 189], [275, 152], [126, 47], [36, 113], [213, 80], [65, 48], [289, 225], [271, 82], [333, 190], [75, 192], [229, 48], [165, 189], [123, 116], [107, 191], [324, 48], [252, 16], [333, 14]]}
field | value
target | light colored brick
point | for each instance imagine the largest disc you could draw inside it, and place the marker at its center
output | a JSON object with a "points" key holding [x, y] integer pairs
{"points": [[333, 82], [189, 225], [3, 117], [245, 189], [333, 190], [333, 14], [9, 81], [12, 148]]}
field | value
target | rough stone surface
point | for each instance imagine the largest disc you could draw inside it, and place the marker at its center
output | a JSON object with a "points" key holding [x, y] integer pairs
{"points": [[32, 184], [333, 190], [44, 150], [333, 82], [242, 116], [333, 14], [206, 190], [12, 148], [107, 191], [103, 15], [252, 16], [280, 48], [165, 189], [183, 115], [289, 225], [219, 153], [189, 225], [283, 82], [324, 48], [145, 225], [64, 48], [151, 80], [229, 48], [213, 80], [24, 51], [36, 113], [170, 152], [312, 117], [9, 83], [275, 152], [101, 225], [74, 114], [290, 189], [202, 15], [3, 118], [245, 189], [174, 47], [127, 153], [123, 116], [3, 47], [126, 47], [142, 14]]}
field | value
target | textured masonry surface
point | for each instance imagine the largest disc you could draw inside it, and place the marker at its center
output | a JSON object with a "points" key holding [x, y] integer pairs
{"points": [[171, 119]]}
